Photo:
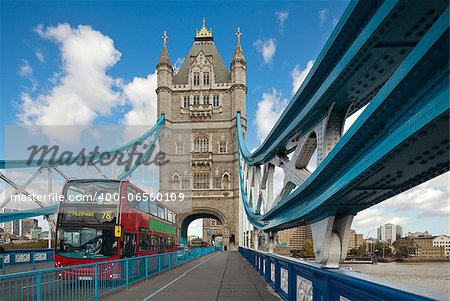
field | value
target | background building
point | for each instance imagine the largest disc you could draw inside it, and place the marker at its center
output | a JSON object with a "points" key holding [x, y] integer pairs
{"points": [[211, 230], [418, 234], [389, 232], [442, 241], [27, 226], [355, 240], [12, 227], [294, 238]]}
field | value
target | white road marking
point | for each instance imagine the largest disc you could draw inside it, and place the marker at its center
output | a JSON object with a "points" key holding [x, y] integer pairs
{"points": [[178, 278]]}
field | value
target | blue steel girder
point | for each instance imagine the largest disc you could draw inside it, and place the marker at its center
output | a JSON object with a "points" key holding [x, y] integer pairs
{"points": [[364, 67], [399, 141]]}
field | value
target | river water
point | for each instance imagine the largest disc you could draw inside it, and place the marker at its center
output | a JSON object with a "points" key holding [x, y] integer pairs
{"points": [[432, 275]]}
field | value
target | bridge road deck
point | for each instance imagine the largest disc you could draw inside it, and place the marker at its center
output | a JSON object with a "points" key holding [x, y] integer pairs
{"points": [[218, 276]]}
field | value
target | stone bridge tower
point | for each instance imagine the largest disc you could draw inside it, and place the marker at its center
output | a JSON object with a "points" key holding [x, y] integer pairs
{"points": [[200, 101]]}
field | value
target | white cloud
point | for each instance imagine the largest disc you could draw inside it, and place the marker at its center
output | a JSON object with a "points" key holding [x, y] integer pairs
{"points": [[427, 202], [299, 76], [40, 55], [375, 217], [140, 93], [25, 69], [430, 199], [196, 228], [177, 64], [282, 16], [267, 48], [83, 90], [269, 110], [322, 16]]}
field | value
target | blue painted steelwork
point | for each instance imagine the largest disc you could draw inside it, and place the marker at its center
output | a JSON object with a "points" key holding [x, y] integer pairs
{"points": [[294, 279], [375, 159], [384, 33], [16, 215], [90, 281]]}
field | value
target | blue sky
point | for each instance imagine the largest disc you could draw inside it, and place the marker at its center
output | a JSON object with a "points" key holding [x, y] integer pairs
{"points": [[46, 51]]}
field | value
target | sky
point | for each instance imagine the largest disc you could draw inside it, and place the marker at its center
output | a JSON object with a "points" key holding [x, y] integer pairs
{"points": [[93, 63]]}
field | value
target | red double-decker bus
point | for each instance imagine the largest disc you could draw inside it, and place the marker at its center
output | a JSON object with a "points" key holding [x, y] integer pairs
{"points": [[102, 220]]}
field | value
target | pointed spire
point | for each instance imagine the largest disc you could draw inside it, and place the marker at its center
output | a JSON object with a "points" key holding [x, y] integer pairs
{"points": [[238, 53], [164, 57]]}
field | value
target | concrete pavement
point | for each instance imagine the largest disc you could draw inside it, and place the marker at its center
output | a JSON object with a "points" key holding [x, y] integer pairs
{"points": [[218, 276]]}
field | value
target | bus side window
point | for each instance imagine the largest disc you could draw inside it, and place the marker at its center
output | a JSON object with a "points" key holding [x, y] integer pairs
{"points": [[161, 243], [170, 243], [144, 240], [161, 213], [131, 197], [142, 205], [153, 242], [128, 248], [153, 209]]}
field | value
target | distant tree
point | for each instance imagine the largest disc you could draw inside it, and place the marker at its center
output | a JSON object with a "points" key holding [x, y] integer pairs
{"points": [[361, 251], [307, 249], [401, 250], [353, 252]]}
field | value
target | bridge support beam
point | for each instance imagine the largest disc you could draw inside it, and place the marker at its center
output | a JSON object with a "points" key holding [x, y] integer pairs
{"points": [[271, 241], [330, 238], [255, 239]]}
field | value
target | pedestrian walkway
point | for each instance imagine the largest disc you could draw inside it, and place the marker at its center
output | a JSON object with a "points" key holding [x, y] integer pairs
{"points": [[218, 276], [25, 267]]}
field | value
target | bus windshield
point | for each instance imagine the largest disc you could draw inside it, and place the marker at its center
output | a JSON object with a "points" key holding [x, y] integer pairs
{"points": [[85, 242], [93, 192]]}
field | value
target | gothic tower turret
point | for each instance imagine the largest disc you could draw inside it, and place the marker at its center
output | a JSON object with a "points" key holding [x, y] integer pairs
{"points": [[238, 78], [165, 77]]}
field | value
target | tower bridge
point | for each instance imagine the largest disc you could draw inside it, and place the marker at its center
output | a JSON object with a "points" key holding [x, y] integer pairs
{"points": [[388, 59]]}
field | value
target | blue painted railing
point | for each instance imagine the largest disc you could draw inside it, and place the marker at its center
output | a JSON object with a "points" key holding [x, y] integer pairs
{"points": [[90, 281], [295, 279]]}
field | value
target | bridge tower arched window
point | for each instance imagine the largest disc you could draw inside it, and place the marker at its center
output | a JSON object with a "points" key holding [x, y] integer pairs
{"points": [[226, 180], [206, 78], [176, 181], [196, 78], [201, 144]]}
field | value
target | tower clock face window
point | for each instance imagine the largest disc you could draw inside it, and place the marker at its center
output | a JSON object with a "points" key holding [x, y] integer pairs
{"points": [[206, 78], [196, 79]]}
